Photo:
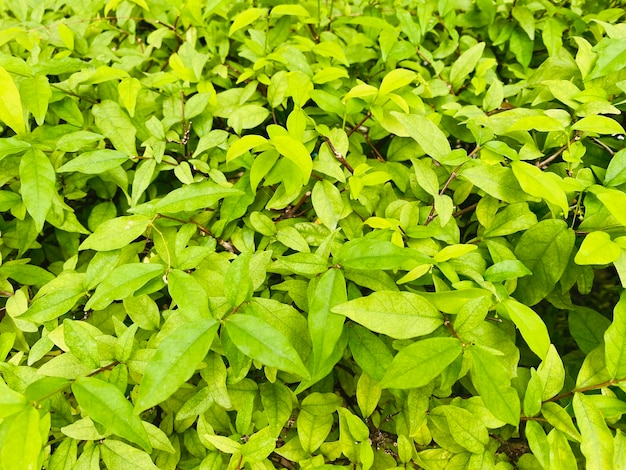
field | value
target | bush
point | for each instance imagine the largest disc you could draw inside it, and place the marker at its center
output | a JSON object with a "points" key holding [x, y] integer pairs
{"points": [[322, 234]]}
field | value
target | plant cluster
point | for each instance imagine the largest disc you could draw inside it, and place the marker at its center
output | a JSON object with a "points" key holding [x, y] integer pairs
{"points": [[338, 234]]}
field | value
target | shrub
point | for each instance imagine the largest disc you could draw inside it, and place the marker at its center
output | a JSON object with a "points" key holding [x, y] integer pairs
{"points": [[321, 234]]}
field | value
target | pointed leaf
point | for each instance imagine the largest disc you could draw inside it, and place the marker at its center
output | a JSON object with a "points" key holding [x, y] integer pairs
{"points": [[615, 341], [530, 325], [400, 315], [194, 196], [118, 455], [116, 233], [421, 362], [426, 133], [35, 92], [104, 403], [174, 362], [95, 162], [260, 341], [597, 440], [115, 124], [38, 185], [11, 112]]}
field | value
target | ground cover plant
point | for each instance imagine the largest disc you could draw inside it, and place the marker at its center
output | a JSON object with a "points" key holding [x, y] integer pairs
{"points": [[325, 234]]}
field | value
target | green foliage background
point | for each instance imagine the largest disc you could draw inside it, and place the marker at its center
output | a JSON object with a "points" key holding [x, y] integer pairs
{"points": [[313, 235]]}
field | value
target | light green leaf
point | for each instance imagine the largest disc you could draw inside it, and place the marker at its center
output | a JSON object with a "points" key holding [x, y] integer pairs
{"points": [[538, 442], [260, 444], [421, 362], [122, 282], [313, 430], [245, 18], [540, 184], [366, 253], [465, 64], [238, 286], [530, 325], [11, 112], [368, 393], [369, 352], [597, 248], [35, 93], [615, 341], [426, 133], [295, 151], [81, 343], [247, 116], [497, 181], [614, 200], [465, 428], [513, 218], [544, 249], [10, 401], [325, 327], [260, 341], [400, 315], [174, 362], [115, 124], [118, 455], [105, 404], [492, 380], [129, 89], [453, 251], [505, 270], [395, 79], [560, 419], [561, 455], [598, 125], [95, 162], [194, 196], [277, 404], [54, 304], [327, 203], [192, 299], [552, 374], [18, 453], [38, 185], [116, 233], [426, 176], [597, 440]]}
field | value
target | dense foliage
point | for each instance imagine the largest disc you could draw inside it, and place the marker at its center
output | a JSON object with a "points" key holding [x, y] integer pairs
{"points": [[323, 234]]}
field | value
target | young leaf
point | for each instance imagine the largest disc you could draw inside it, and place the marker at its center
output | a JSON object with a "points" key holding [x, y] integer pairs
{"points": [[193, 197], [421, 362], [395, 79], [38, 185], [597, 248], [117, 455], [122, 282], [615, 341], [115, 124], [540, 184], [530, 325], [262, 342], [327, 203], [426, 133], [492, 380], [598, 125], [95, 162], [16, 452], [597, 440], [81, 343], [365, 253], [369, 352], [277, 404], [35, 93], [116, 233], [174, 362], [105, 404], [237, 283], [552, 374], [465, 64], [465, 428], [11, 112], [400, 315]]}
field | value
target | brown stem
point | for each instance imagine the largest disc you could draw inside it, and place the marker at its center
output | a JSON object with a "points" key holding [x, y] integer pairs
{"points": [[588, 388], [223, 243], [465, 210], [603, 145], [103, 368], [360, 123], [338, 155], [431, 215], [543, 164]]}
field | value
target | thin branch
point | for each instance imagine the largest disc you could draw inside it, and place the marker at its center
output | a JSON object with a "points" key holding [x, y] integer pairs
{"points": [[544, 163], [603, 145], [360, 123], [588, 388], [338, 155]]}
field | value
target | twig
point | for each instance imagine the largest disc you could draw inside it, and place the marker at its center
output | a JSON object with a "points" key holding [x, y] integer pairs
{"points": [[360, 123], [588, 388], [603, 145], [338, 155], [543, 164]]}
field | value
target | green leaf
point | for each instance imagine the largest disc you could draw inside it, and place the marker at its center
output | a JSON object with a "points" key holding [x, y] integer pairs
{"points": [[260, 444], [243, 145], [115, 124], [192, 299], [325, 327], [544, 249], [513, 218], [465, 428], [552, 374], [38, 185], [615, 341], [59, 298], [597, 440], [400, 315], [561, 454], [426, 133], [465, 64], [247, 116], [505, 270], [426, 176], [540, 184], [614, 200], [538, 442], [295, 151], [245, 18], [10, 401], [11, 112], [530, 325], [587, 328], [81, 343], [369, 254], [36, 93], [95, 162], [118, 455], [598, 125], [277, 404], [237, 282], [597, 248], [499, 182], [105, 404], [368, 394], [369, 352], [262, 342], [122, 282], [18, 453], [616, 171], [492, 381], [421, 362], [560, 419], [313, 430], [395, 79], [116, 233], [174, 362], [327, 203], [193, 197]]}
